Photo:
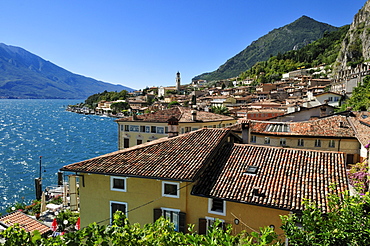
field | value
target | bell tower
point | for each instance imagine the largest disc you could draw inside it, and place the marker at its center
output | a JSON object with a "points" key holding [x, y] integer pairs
{"points": [[178, 81]]}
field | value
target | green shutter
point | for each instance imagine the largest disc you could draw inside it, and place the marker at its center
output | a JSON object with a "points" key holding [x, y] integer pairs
{"points": [[157, 213], [182, 222], [202, 230]]}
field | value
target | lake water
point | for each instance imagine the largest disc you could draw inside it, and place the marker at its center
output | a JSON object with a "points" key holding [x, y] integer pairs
{"points": [[33, 128]]}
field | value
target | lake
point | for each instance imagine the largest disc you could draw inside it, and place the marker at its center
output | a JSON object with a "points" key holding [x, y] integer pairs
{"points": [[33, 128]]}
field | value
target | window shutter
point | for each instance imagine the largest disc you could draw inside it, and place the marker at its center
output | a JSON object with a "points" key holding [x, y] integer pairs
{"points": [[202, 230], [157, 213], [182, 222], [224, 226]]}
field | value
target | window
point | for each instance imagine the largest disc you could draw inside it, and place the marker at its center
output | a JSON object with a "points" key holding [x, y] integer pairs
{"points": [[142, 128], [211, 221], [267, 140], [317, 143], [122, 128], [187, 129], [173, 215], [147, 129], [330, 99], [300, 142], [126, 143], [170, 189], [336, 99], [139, 141], [153, 129], [253, 139], [117, 206], [332, 144], [160, 130], [134, 128], [127, 128], [118, 183], [216, 206], [282, 141]]}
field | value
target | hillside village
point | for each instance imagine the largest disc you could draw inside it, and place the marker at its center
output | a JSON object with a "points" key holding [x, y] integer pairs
{"points": [[281, 143], [297, 91], [234, 151]]}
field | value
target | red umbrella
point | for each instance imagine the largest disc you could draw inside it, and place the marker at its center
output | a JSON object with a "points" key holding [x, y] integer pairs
{"points": [[78, 224], [54, 225]]}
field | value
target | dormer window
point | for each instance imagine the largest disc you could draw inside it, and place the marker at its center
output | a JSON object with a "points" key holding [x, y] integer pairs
{"points": [[251, 170], [278, 128]]}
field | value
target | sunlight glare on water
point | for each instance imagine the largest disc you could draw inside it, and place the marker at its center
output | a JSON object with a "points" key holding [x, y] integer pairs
{"points": [[33, 128]]}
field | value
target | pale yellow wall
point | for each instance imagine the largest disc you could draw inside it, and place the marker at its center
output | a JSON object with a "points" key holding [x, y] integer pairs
{"points": [[96, 195], [349, 146], [95, 199], [133, 136], [249, 216]]}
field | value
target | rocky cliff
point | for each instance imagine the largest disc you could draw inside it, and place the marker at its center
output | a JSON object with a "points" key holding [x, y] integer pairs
{"points": [[356, 45]]}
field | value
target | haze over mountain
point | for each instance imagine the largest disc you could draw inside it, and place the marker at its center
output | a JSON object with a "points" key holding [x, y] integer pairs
{"points": [[25, 75], [289, 37]]}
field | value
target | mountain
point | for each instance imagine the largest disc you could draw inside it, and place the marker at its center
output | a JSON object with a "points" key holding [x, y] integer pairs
{"points": [[290, 37], [356, 44], [25, 75]]}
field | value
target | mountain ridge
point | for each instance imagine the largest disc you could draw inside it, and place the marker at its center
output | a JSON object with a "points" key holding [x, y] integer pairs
{"points": [[295, 35], [26, 75]]}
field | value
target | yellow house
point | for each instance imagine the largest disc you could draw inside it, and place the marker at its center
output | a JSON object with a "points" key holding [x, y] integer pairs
{"points": [[206, 174], [139, 129]]}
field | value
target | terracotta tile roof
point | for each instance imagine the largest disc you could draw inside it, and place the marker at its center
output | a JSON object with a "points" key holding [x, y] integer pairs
{"points": [[285, 176], [181, 113], [26, 222], [178, 158], [332, 126], [361, 126]]}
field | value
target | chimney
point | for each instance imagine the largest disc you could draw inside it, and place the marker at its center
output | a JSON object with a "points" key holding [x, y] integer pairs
{"points": [[255, 191], [173, 127], [322, 111], [194, 115], [246, 132]]}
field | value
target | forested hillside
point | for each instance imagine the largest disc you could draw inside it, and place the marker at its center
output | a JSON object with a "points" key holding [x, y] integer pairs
{"points": [[293, 36], [323, 51]]}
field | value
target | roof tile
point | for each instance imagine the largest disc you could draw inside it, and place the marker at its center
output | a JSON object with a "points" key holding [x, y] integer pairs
{"points": [[178, 158], [26, 222], [285, 177], [181, 113]]}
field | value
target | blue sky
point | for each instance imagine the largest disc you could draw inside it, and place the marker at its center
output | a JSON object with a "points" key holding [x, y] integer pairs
{"points": [[139, 43]]}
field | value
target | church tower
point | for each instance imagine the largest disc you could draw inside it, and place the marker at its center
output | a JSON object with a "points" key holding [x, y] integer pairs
{"points": [[178, 81]]}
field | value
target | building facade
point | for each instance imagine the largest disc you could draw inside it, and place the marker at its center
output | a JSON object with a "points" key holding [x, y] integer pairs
{"points": [[144, 128], [205, 175]]}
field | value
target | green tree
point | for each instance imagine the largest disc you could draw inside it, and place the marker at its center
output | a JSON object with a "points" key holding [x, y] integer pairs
{"points": [[347, 222], [360, 99], [161, 232], [119, 106], [220, 110], [173, 103]]}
